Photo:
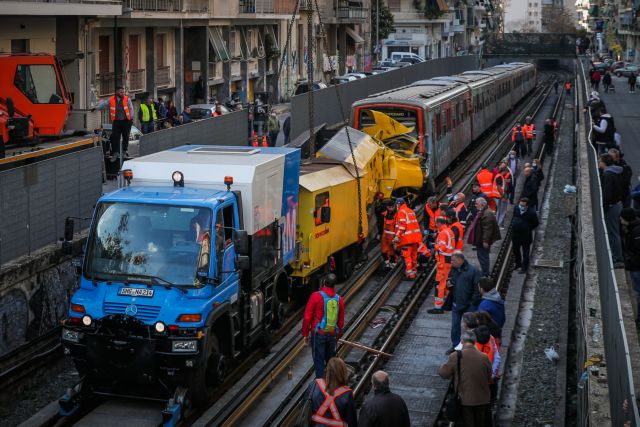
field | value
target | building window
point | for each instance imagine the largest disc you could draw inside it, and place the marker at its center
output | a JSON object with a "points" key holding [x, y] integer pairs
{"points": [[535, 13], [134, 51], [160, 49], [529, 13], [20, 46], [531, 22], [104, 45]]}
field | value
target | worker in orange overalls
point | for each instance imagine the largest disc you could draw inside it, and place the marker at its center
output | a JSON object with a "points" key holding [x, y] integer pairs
{"points": [[488, 187], [388, 233], [530, 133], [431, 212], [408, 237], [444, 249], [458, 230]]}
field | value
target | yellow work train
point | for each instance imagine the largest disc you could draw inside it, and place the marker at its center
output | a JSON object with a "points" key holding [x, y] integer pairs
{"points": [[334, 228]]}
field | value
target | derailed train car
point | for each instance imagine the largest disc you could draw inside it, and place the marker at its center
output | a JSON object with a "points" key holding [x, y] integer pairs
{"points": [[442, 112]]}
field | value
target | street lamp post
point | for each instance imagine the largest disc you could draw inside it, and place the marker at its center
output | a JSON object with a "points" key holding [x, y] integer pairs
{"points": [[377, 30]]}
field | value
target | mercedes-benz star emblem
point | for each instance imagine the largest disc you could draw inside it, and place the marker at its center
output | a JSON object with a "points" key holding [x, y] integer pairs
{"points": [[131, 310]]}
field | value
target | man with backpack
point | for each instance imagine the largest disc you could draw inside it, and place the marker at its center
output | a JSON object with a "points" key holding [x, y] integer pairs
{"points": [[323, 323]]}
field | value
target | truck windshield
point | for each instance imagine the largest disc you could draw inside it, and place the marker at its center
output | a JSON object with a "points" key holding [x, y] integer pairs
{"points": [[168, 243]]}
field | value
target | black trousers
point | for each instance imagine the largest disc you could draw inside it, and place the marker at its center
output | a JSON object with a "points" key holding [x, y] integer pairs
{"points": [[120, 129], [476, 416], [521, 249]]}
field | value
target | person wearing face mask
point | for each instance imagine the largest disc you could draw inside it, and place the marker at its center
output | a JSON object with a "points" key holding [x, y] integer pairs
{"points": [[536, 167], [523, 223], [514, 167]]}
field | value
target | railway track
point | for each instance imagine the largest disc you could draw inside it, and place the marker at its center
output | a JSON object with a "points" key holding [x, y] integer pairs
{"points": [[413, 297], [280, 360]]}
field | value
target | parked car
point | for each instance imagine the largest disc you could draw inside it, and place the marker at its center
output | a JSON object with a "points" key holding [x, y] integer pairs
{"points": [[304, 87], [618, 64], [600, 66], [204, 111], [134, 134], [339, 80], [386, 63], [401, 56], [357, 75], [411, 61], [626, 71]]}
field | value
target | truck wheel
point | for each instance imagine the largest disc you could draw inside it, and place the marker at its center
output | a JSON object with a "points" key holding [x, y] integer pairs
{"points": [[203, 380]]}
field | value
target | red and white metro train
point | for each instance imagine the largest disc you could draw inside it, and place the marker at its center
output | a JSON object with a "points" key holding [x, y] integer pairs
{"points": [[448, 113]]}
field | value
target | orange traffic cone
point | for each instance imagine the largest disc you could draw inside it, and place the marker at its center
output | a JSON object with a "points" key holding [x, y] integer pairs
{"points": [[265, 143], [255, 138]]}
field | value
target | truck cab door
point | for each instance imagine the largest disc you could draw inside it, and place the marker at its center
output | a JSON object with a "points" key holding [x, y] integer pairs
{"points": [[225, 268]]}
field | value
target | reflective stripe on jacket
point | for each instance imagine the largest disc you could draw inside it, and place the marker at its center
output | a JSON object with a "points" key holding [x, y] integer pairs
{"points": [[146, 117], [407, 227], [329, 405], [487, 184], [445, 241], [125, 106]]}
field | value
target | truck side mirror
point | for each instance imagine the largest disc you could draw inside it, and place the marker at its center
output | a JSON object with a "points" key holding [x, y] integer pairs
{"points": [[68, 229], [242, 242], [243, 263], [325, 214]]}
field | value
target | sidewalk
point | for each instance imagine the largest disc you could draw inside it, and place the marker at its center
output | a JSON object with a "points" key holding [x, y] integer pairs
{"points": [[623, 107]]}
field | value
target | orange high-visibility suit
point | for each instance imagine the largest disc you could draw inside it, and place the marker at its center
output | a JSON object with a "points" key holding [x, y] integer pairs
{"points": [[444, 250], [458, 235], [388, 233], [487, 186], [408, 237]]}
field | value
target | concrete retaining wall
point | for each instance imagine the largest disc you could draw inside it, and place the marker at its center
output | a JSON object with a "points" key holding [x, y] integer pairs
{"points": [[230, 129]]}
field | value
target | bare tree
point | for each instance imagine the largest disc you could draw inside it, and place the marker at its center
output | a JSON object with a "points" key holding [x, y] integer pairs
{"points": [[558, 20]]}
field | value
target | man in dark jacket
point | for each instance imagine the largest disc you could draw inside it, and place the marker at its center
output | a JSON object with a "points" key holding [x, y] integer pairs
{"points": [[631, 233], [491, 302], [627, 174], [286, 128], [523, 223], [473, 383], [530, 188], [476, 193], [463, 282], [604, 131], [384, 408], [549, 136], [612, 182], [484, 232]]}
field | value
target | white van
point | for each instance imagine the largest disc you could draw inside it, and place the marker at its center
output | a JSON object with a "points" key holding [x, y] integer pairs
{"points": [[399, 56]]}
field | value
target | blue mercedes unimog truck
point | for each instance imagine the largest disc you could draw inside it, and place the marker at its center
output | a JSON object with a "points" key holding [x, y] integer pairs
{"points": [[180, 267]]}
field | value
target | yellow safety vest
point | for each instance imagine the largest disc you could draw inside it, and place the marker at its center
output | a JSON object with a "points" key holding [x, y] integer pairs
{"points": [[145, 112]]}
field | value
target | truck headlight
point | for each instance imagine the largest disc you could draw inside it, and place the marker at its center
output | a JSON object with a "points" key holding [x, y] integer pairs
{"points": [[184, 346], [71, 336]]}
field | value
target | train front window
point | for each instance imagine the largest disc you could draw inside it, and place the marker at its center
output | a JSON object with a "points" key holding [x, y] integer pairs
{"points": [[406, 116], [39, 83], [166, 244]]}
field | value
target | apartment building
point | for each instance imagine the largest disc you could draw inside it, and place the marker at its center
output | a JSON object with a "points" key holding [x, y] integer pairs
{"points": [[436, 28], [628, 29], [523, 16], [187, 50]]}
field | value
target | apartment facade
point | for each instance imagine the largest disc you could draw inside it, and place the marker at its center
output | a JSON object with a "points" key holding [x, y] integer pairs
{"points": [[188, 50], [437, 28]]}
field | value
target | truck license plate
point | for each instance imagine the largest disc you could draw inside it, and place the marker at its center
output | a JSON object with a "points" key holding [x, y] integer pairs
{"points": [[136, 292]]}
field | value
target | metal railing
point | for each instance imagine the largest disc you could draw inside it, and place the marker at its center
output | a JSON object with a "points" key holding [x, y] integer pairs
{"points": [[169, 5], [106, 84], [163, 76], [136, 81], [352, 13], [622, 398], [256, 6]]}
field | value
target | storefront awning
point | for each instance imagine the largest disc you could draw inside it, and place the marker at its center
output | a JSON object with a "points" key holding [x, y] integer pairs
{"points": [[355, 36]]}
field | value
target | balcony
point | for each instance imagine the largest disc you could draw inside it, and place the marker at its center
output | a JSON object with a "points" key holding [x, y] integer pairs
{"points": [[216, 71], [106, 84], [163, 76], [174, 6], [351, 13], [279, 7], [61, 7], [136, 80], [236, 69]]}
